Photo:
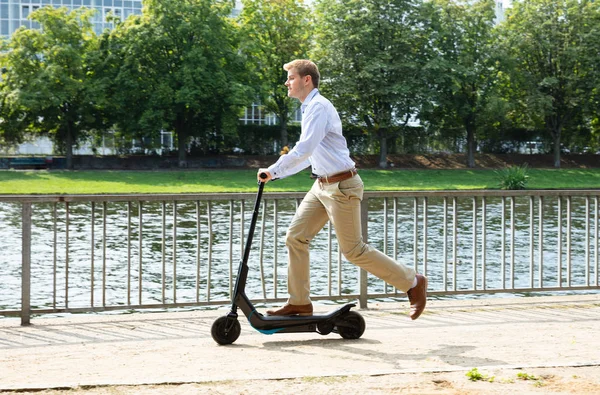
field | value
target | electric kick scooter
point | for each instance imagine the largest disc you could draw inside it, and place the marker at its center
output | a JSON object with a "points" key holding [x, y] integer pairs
{"points": [[226, 329]]}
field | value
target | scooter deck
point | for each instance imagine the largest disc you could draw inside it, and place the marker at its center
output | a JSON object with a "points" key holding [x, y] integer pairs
{"points": [[269, 324], [297, 317]]}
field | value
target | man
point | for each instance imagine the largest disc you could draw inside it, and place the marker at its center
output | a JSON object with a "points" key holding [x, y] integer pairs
{"points": [[335, 196]]}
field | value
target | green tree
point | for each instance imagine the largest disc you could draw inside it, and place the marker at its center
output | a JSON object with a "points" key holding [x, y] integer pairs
{"points": [[460, 67], [179, 71], [272, 33], [371, 56], [47, 87], [551, 75], [592, 46]]}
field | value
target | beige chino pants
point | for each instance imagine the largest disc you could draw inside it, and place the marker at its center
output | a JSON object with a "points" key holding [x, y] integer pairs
{"points": [[340, 203]]}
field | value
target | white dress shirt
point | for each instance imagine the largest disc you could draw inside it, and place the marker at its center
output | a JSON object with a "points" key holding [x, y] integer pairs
{"points": [[321, 144]]}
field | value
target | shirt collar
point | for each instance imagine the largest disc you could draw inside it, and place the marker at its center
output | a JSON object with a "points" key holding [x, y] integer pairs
{"points": [[310, 96]]}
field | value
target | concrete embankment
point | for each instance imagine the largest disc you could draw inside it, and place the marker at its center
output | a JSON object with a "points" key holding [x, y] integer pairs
{"points": [[176, 347]]}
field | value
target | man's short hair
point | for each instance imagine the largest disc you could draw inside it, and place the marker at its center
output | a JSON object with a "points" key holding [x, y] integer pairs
{"points": [[305, 67]]}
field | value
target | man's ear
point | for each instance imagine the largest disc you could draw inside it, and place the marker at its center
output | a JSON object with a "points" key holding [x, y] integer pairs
{"points": [[307, 79]]}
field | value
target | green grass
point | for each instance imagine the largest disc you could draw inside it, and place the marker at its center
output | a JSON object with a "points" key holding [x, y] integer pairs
{"points": [[211, 181]]}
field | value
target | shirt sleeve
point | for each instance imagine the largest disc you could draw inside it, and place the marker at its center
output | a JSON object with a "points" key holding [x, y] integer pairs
{"points": [[314, 125], [276, 171]]}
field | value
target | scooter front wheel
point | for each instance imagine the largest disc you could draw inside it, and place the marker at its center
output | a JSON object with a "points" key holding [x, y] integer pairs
{"points": [[225, 330], [350, 325]]}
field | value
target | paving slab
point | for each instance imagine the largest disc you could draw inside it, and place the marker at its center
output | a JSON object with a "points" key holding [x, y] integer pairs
{"points": [[176, 347]]}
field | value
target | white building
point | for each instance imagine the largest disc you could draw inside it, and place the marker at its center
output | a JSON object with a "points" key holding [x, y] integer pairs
{"points": [[501, 6], [14, 13]]}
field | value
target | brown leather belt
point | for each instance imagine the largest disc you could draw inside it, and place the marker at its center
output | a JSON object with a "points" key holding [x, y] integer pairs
{"points": [[332, 179]]}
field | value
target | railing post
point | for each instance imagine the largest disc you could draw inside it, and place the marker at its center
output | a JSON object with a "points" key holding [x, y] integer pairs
{"points": [[364, 220], [26, 264]]}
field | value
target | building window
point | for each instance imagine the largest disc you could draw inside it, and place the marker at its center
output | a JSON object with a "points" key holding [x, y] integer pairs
{"points": [[255, 114], [107, 11]]}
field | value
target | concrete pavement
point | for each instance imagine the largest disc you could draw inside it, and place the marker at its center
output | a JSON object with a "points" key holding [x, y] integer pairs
{"points": [[176, 347]]}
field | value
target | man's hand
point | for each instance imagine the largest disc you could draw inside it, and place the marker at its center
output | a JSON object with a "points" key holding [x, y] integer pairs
{"points": [[264, 171]]}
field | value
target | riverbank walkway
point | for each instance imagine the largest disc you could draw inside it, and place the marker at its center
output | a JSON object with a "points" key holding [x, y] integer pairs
{"points": [[176, 347]]}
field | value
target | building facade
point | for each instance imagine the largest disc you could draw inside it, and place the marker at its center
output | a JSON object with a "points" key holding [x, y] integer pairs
{"points": [[14, 13], [501, 6]]}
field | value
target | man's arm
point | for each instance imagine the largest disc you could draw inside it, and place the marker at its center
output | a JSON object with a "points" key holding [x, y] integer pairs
{"points": [[314, 130]]}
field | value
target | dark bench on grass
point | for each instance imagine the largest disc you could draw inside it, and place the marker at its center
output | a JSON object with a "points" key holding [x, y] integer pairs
{"points": [[29, 163]]}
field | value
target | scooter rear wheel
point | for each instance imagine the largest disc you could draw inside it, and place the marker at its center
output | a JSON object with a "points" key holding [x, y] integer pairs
{"points": [[351, 325], [225, 330]]}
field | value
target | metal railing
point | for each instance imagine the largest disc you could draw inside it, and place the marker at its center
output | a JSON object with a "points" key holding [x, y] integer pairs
{"points": [[466, 242]]}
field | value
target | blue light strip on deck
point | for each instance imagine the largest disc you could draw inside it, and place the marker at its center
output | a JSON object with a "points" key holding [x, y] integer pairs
{"points": [[264, 331]]}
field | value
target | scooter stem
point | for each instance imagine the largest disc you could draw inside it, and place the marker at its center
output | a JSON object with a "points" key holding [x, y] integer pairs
{"points": [[240, 282]]}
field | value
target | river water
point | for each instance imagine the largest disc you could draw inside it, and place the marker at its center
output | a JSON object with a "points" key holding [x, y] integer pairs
{"points": [[119, 276]]}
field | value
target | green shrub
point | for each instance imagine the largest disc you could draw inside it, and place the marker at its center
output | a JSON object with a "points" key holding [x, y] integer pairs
{"points": [[527, 376], [475, 375], [514, 177]]}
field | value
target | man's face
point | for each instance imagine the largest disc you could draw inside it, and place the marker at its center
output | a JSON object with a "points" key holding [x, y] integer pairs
{"points": [[297, 85]]}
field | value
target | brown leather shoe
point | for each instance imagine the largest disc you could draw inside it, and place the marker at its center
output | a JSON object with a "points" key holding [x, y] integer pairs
{"points": [[418, 297], [290, 309]]}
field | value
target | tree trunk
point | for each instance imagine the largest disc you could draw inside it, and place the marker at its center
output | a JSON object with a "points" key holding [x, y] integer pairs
{"points": [[383, 148], [470, 146], [69, 147], [283, 118], [556, 137], [181, 148], [555, 128]]}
